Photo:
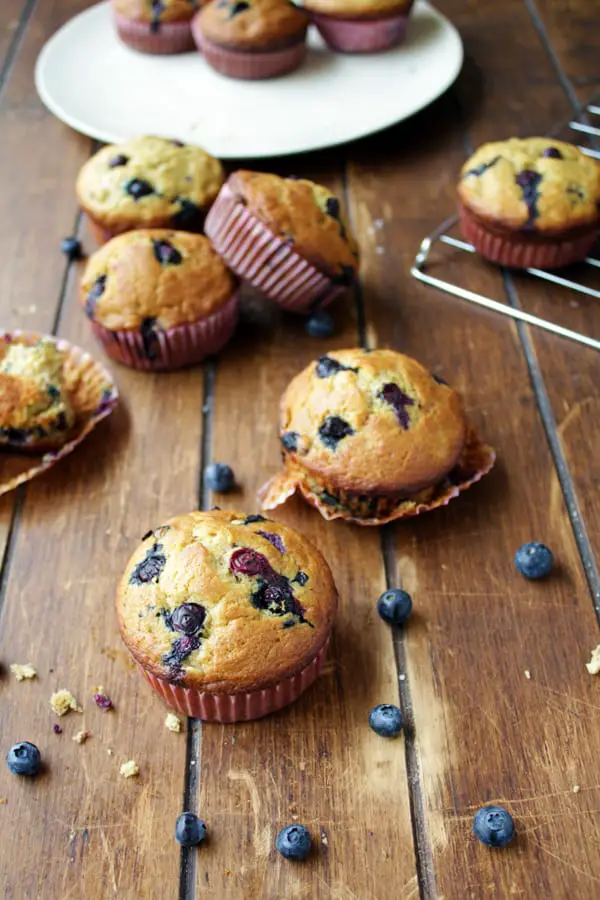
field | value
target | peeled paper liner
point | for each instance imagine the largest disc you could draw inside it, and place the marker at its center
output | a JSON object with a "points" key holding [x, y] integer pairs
{"points": [[92, 393], [475, 461]]}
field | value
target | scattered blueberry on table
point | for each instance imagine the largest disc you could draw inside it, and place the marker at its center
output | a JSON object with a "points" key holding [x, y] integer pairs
{"points": [[71, 247], [293, 842], [386, 720], [320, 325], [493, 826], [395, 606], [23, 759], [189, 830], [219, 477], [534, 560]]}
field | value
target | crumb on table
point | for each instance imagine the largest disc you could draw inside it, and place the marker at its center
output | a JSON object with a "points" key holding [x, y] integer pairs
{"points": [[593, 666], [576, 788], [527, 674], [63, 701], [129, 769], [110, 751], [22, 671], [173, 722], [82, 736]]}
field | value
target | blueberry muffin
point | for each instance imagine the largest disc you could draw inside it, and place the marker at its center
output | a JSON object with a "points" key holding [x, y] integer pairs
{"points": [[35, 410], [251, 39], [360, 26], [372, 436], [287, 237], [159, 299], [530, 202], [155, 26], [228, 615], [148, 182]]}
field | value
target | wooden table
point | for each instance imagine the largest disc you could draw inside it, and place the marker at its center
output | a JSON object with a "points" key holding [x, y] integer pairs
{"points": [[389, 819]]}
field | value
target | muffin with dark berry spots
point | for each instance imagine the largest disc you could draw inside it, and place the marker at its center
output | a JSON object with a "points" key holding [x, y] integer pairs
{"points": [[251, 39], [228, 615], [155, 26], [532, 202], [360, 26], [148, 182], [159, 299], [371, 436], [287, 237]]}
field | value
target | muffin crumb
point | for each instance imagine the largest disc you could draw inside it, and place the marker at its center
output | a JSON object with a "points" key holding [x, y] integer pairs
{"points": [[593, 666], [173, 722], [129, 769], [527, 674], [22, 671], [82, 736], [101, 699], [576, 788], [110, 751], [63, 701]]}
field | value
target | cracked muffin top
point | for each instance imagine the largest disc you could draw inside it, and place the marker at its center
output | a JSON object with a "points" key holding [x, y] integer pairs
{"points": [[155, 12], [306, 215], [251, 24], [149, 182], [225, 602], [372, 422], [172, 277], [532, 184], [358, 8]]}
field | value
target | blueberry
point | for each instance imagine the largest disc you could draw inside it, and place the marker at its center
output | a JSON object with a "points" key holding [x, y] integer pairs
{"points": [[188, 618], [327, 367], [395, 606], [189, 830], [219, 477], [23, 759], [289, 439], [479, 170], [96, 291], [166, 254], [149, 337], [239, 7], [386, 720], [333, 430], [71, 247], [320, 325], [493, 826], [188, 216], [148, 570], [293, 842], [138, 188], [552, 153], [118, 160], [398, 400], [534, 560]]}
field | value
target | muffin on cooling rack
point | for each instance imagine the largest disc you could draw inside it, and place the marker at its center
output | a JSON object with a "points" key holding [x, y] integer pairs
{"points": [[227, 615], [287, 237], [360, 26], [148, 182], [530, 202], [159, 299], [155, 26], [251, 39], [372, 436]]}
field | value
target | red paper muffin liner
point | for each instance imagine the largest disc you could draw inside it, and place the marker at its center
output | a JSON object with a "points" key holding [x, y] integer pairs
{"points": [[171, 37], [362, 35], [241, 707], [251, 66], [267, 262], [173, 348], [518, 253], [475, 461]]}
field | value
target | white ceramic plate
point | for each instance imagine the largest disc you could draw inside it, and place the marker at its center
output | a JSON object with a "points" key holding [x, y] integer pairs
{"points": [[86, 77]]}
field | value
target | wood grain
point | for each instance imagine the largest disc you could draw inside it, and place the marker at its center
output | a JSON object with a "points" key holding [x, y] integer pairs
{"points": [[12, 13]]}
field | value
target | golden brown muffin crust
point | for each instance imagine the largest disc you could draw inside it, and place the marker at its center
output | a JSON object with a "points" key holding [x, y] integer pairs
{"points": [[360, 9], [237, 644], [305, 214], [252, 24], [171, 276], [533, 184], [152, 12], [148, 182], [372, 423]]}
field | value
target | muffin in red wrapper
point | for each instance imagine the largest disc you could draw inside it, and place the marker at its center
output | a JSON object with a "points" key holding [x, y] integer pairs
{"points": [[155, 26], [228, 616], [287, 237], [530, 203], [251, 39], [360, 26], [371, 436], [159, 299]]}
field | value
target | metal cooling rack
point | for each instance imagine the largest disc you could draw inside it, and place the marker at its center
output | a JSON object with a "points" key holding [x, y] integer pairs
{"points": [[419, 272]]}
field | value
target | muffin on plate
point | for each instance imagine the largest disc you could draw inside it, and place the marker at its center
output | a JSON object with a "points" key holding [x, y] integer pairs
{"points": [[372, 436], [155, 26], [360, 26], [251, 39], [148, 182], [159, 299], [227, 615], [287, 237], [530, 202]]}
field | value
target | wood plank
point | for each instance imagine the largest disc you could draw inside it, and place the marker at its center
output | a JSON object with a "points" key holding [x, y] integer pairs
{"points": [[317, 763], [571, 30], [11, 13]]}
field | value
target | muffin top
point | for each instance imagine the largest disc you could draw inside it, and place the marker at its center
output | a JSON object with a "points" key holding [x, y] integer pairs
{"points": [[372, 422], [155, 12], [304, 214], [248, 24], [359, 8], [170, 277], [34, 406], [149, 182], [532, 184], [225, 602]]}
